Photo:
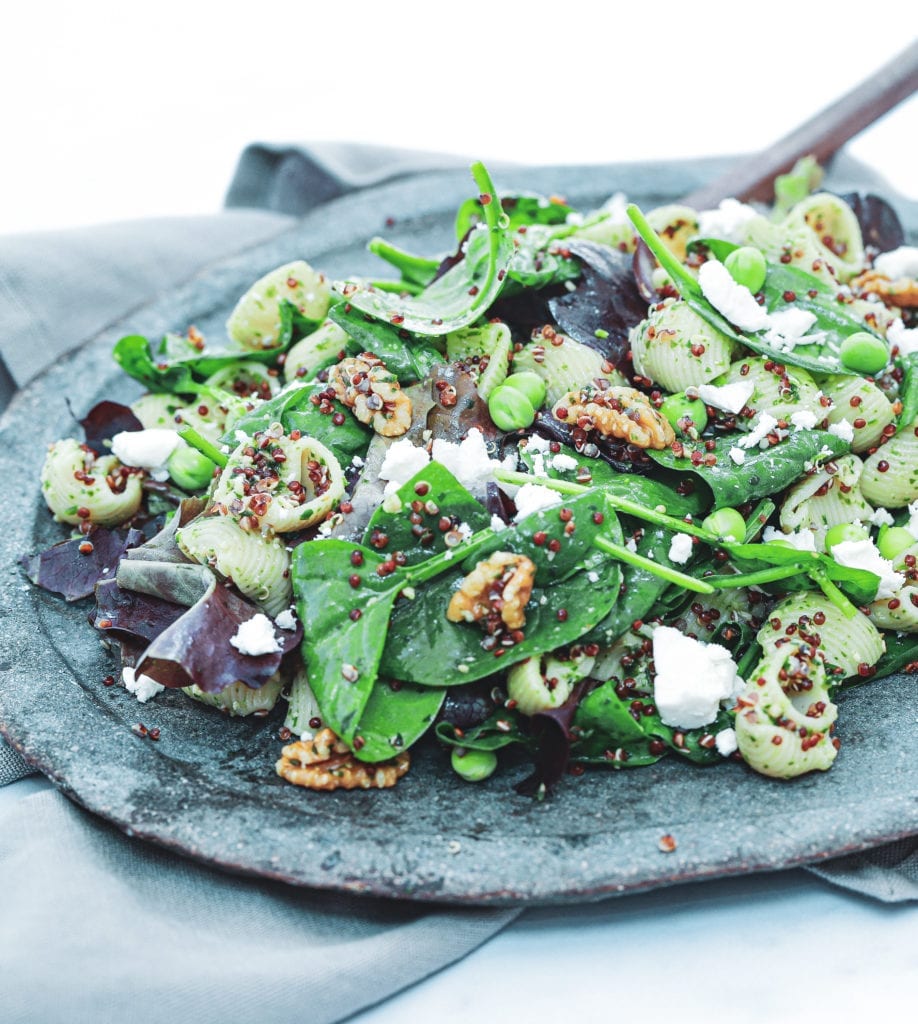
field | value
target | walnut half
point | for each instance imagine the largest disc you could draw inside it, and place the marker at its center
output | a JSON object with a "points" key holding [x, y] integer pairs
{"points": [[365, 385], [326, 763], [616, 412], [500, 585]]}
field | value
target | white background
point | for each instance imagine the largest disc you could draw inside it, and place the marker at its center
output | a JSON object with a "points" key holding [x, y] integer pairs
{"points": [[113, 110]]}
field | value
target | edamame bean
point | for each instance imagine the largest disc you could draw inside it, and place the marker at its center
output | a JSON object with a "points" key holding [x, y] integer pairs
{"points": [[473, 765], [189, 469], [726, 523], [683, 412], [510, 409], [893, 540], [844, 532], [863, 352], [747, 267], [529, 383]]}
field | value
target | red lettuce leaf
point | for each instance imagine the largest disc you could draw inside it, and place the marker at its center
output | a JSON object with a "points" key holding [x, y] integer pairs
{"points": [[66, 570], [104, 420], [131, 615]]}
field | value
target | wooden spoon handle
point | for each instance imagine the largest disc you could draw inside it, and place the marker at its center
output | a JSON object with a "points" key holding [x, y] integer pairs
{"points": [[821, 136]]}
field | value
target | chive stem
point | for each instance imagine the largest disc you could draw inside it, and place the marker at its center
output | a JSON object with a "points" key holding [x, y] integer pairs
{"points": [[205, 447], [752, 579], [833, 593], [622, 554]]}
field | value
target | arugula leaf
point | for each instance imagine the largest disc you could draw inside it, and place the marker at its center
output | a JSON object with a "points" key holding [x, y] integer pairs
{"points": [[463, 293], [763, 472], [409, 358], [446, 496]]}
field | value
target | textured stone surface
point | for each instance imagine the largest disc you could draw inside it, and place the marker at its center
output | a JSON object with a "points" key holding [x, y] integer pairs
{"points": [[207, 789]]}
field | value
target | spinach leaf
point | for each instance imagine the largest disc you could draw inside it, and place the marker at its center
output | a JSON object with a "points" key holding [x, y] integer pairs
{"points": [[463, 293], [520, 210], [575, 588], [499, 730], [443, 496], [414, 270], [764, 471], [395, 717], [409, 358], [901, 653]]}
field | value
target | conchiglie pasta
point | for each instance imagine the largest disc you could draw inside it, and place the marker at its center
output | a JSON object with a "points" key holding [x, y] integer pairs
{"points": [[317, 350], [827, 497], [239, 700], [899, 612], [79, 488], [259, 567], [890, 477], [860, 403], [539, 684], [564, 364], [255, 323], [677, 349], [835, 229], [779, 394], [489, 348]]}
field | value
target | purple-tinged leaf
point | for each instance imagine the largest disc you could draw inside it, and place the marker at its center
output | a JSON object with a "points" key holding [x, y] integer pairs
{"points": [[104, 420], [131, 615], [880, 224], [73, 567]]}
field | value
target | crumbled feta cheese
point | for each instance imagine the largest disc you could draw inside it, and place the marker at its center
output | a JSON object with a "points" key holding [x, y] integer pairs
{"points": [[497, 524], [904, 338], [692, 678], [533, 497], [733, 300], [726, 743], [881, 517], [805, 540], [464, 530], [593, 576], [728, 221], [357, 462], [538, 464], [843, 429], [804, 419], [146, 449], [680, 548], [762, 426], [631, 545], [143, 687], [286, 619], [537, 443], [241, 437], [901, 262], [788, 328], [863, 554], [564, 463], [468, 461], [402, 461], [737, 455], [256, 636], [726, 397]]}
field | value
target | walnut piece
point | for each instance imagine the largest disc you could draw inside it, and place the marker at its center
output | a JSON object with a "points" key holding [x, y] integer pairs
{"points": [[501, 585], [902, 292], [326, 763], [616, 412], [364, 384]]}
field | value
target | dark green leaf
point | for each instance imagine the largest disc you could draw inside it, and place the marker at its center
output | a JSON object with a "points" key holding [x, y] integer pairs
{"points": [[908, 390], [492, 734], [415, 270], [521, 210], [409, 358], [901, 651], [395, 717], [764, 472]]}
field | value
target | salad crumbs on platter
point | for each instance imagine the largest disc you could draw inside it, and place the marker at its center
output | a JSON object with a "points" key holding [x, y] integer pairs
{"points": [[593, 490]]}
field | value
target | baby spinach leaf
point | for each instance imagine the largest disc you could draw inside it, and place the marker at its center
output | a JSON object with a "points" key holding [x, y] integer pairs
{"points": [[410, 358], [521, 211], [901, 652], [395, 717], [499, 730], [463, 293], [415, 270], [443, 496], [764, 471], [908, 390]]}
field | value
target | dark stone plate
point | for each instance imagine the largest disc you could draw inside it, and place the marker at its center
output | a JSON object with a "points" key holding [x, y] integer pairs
{"points": [[208, 790]]}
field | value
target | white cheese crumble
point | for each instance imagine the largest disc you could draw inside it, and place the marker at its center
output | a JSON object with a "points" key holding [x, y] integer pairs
{"points": [[146, 449], [256, 636], [401, 463], [726, 397], [804, 419], [881, 517], [497, 524], [843, 429], [737, 455], [805, 540], [904, 338], [692, 678], [733, 300], [863, 554], [564, 463], [468, 461], [680, 548], [593, 576], [631, 545], [286, 619], [788, 328], [726, 743], [901, 262], [728, 221], [143, 687], [763, 425], [532, 498]]}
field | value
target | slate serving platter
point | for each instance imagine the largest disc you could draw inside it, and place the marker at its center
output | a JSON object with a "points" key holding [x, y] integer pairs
{"points": [[208, 789]]}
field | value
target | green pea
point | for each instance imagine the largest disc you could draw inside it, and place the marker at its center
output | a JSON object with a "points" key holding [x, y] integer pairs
{"points": [[510, 409], [189, 469], [863, 352], [726, 523], [844, 532], [473, 765], [893, 541], [530, 384], [747, 267], [683, 412]]}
